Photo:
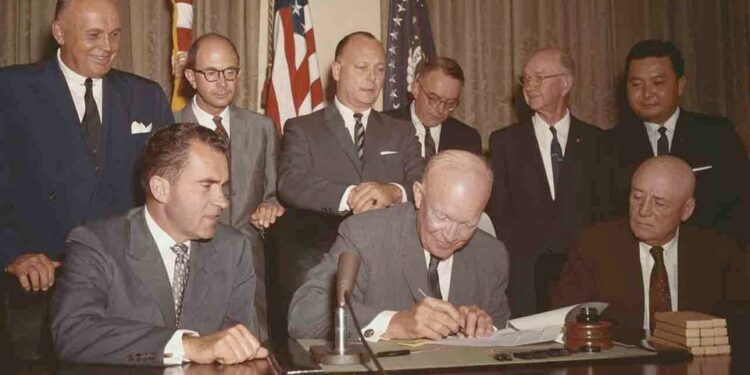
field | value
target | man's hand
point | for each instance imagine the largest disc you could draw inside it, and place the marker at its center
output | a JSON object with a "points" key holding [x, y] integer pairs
{"points": [[431, 318], [229, 346], [476, 322], [246, 368], [34, 271], [373, 195], [265, 215]]}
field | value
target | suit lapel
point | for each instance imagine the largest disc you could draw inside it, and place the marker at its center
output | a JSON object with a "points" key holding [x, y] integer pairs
{"points": [[631, 262], [680, 145], [62, 97], [335, 124], [202, 268], [115, 114], [571, 167], [376, 135], [530, 146], [240, 136], [146, 261], [413, 265], [447, 135], [641, 145], [463, 280]]}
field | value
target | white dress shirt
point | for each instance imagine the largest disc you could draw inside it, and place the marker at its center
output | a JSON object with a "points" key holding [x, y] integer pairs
{"points": [[544, 141], [647, 264], [174, 352], [348, 116], [206, 119], [653, 130], [77, 86], [419, 127], [380, 323]]}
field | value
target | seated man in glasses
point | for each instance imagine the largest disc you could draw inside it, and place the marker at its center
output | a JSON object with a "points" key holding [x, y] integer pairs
{"points": [[437, 93], [544, 169], [213, 71]]}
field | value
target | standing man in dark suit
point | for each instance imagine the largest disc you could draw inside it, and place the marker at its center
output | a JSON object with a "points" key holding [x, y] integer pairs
{"points": [[410, 250], [164, 283], [71, 128], [655, 83], [437, 93], [653, 262], [212, 70], [544, 168]]}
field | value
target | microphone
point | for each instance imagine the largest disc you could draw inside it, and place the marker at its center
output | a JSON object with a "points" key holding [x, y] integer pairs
{"points": [[346, 276]]}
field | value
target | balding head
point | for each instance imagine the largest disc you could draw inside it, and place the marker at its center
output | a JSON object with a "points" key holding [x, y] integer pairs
{"points": [[547, 80], [450, 199], [661, 198]]}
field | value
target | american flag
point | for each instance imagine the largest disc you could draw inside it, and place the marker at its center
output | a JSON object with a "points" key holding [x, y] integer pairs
{"points": [[295, 88], [182, 37], [409, 42]]}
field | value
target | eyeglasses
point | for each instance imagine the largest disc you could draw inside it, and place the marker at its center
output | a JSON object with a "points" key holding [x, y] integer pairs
{"points": [[212, 75], [435, 101], [527, 80]]}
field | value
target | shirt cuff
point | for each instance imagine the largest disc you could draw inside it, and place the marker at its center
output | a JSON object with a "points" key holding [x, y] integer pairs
{"points": [[174, 352], [403, 192], [344, 204], [378, 326]]}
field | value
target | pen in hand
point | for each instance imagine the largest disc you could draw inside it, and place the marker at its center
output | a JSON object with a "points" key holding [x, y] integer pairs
{"points": [[460, 328]]}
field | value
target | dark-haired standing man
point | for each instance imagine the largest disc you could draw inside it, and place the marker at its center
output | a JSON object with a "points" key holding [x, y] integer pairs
{"points": [[710, 145]]}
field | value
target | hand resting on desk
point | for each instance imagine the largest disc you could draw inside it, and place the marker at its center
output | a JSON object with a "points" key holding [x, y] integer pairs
{"points": [[229, 346], [434, 319]]}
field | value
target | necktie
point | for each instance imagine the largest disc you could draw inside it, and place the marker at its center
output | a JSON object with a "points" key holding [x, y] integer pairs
{"points": [[556, 156], [429, 144], [181, 273], [92, 126], [662, 145], [359, 135], [220, 129], [659, 296], [432, 277]]}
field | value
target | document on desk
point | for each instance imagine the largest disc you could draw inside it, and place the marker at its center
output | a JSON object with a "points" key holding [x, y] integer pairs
{"points": [[532, 329]]}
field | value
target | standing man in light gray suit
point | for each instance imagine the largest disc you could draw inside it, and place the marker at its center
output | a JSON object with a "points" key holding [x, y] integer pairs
{"points": [[408, 254], [212, 70], [163, 283]]}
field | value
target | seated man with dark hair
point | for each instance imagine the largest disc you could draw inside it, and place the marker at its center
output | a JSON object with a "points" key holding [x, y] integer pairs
{"points": [[141, 287]]}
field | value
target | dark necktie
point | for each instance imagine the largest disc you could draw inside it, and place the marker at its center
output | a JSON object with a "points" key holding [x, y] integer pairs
{"points": [[181, 274], [220, 129], [556, 156], [92, 127], [432, 277], [429, 144], [659, 296], [662, 145], [359, 135]]}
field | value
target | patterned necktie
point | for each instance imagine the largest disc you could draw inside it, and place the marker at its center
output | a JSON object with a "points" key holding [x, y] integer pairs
{"points": [[359, 134], [659, 296], [556, 156], [429, 144], [181, 274], [220, 129], [92, 126], [662, 145], [433, 279]]}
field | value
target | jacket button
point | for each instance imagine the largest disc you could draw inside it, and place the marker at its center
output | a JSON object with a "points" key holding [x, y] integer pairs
{"points": [[52, 196], [369, 333]]}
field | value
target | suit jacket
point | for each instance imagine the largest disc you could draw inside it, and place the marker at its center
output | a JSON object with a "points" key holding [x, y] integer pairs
{"points": [[113, 303], [319, 160], [393, 270], [454, 134], [721, 191], [536, 228], [47, 181], [605, 266]]}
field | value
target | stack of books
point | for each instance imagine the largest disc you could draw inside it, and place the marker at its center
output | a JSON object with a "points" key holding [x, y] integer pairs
{"points": [[700, 334]]}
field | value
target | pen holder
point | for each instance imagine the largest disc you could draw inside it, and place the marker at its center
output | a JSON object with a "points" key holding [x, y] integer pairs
{"points": [[588, 333]]}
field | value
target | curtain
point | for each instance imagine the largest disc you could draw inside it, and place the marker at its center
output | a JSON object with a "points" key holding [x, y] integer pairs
{"points": [[146, 45]]}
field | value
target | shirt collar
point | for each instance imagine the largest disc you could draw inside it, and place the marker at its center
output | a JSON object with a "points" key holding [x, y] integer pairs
{"points": [[562, 127], [668, 247], [670, 124], [163, 240], [204, 118], [72, 76], [348, 114]]}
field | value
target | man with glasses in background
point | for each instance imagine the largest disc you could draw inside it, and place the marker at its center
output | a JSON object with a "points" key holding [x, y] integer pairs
{"points": [[544, 168], [437, 93], [213, 70]]}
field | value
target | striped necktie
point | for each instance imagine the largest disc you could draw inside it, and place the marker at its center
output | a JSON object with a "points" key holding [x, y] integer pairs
{"points": [[359, 135]]}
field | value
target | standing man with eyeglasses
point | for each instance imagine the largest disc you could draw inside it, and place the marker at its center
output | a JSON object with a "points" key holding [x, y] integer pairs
{"points": [[437, 93], [212, 70], [544, 180]]}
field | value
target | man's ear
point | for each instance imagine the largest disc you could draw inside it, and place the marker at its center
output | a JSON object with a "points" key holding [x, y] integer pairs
{"points": [[567, 84], [336, 70], [159, 187], [681, 82], [57, 32], [418, 190], [687, 209], [190, 76]]}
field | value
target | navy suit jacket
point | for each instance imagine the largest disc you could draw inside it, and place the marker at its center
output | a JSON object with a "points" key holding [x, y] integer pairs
{"points": [[454, 135], [47, 181]]}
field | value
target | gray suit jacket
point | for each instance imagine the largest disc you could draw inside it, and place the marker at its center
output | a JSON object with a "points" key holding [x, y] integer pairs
{"points": [[113, 303], [393, 269], [319, 160]]}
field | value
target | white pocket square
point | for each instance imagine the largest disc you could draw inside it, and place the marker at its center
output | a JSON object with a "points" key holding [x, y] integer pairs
{"points": [[388, 152], [139, 128], [698, 169]]}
